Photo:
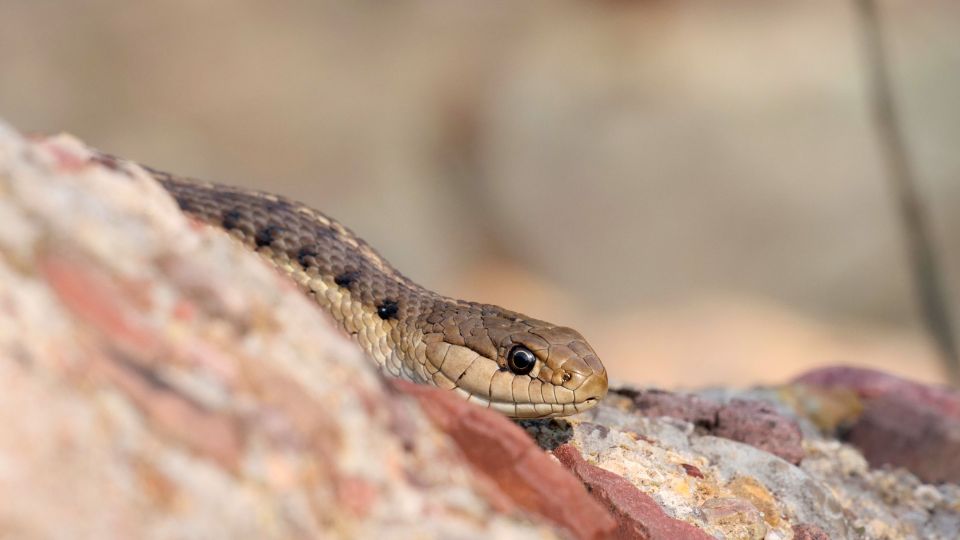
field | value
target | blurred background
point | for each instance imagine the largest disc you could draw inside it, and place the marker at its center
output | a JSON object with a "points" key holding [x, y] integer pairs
{"points": [[696, 186]]}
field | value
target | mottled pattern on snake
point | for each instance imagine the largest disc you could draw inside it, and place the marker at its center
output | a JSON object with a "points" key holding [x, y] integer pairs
{"points": [[523, 367]]}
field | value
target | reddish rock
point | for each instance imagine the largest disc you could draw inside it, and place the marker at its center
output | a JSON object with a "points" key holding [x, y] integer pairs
{"points": [[903, 423], [100, 299], [503, 452], [758, 425], [751, 422], [637, 514], [868, 383], [805, 531], [692, 470], [687, 407], [894, 430]]}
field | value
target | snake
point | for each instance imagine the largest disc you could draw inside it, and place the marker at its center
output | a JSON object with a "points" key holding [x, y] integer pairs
{"points": [[497, 358]]}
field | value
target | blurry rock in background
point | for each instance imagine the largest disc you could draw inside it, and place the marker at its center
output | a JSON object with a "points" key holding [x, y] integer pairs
{"points": [[615, 166]]}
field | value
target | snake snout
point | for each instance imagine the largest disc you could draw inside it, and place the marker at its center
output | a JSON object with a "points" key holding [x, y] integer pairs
{"points": [[575, 367], [592, 390]]}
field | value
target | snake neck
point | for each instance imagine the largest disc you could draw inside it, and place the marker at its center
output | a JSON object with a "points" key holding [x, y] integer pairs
{"points": [[367, 297]]}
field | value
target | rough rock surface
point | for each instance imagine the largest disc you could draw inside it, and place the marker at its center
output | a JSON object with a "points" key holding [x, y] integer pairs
{"points": [[161, 382], [891, 420], [747, 421], [733, 489], [638, 515]]}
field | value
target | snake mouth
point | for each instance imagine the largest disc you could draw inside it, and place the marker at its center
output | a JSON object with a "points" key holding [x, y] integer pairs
{"points": [[584, 397], [529, 410]]}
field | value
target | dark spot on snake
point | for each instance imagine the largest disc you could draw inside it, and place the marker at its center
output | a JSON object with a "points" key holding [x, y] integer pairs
{"points": [[388, 309], [278, 206], [325, 232], [267, 235], [231, 219], [186, 204], [347, 278], [304, 255]]}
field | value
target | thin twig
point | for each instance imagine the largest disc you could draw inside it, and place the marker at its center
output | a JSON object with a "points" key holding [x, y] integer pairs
{"points": [[922, 253]]}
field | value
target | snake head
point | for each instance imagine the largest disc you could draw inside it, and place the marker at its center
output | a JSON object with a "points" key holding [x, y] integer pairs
{"points": [[522, 367]]}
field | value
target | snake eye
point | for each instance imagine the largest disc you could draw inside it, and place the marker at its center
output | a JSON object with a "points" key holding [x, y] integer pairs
{"points": [[521, 360]]}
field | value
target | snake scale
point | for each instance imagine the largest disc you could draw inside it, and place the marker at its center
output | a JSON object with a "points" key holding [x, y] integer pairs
{"points": [[497, 358]]}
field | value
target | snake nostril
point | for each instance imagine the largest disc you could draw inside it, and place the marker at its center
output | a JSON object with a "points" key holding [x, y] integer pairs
{"points": [[593, 388], [566, 377]]}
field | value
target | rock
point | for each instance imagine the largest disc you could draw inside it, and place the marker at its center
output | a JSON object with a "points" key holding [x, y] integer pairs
{"points": [[749, 489], [692, 470], [805, 531], [525, 475], [747, 421], [734, 518], [895, 431], [896, 422], [638, 515], [694, 409], [742, 491], [162, 382], [869, 383], [757, 424]]}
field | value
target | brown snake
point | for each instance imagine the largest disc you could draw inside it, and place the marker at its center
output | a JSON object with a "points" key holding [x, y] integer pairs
{"points": [[500, 359]]}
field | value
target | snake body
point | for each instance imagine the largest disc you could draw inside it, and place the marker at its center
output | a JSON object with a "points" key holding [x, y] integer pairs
{"points": [[500, 359]]}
